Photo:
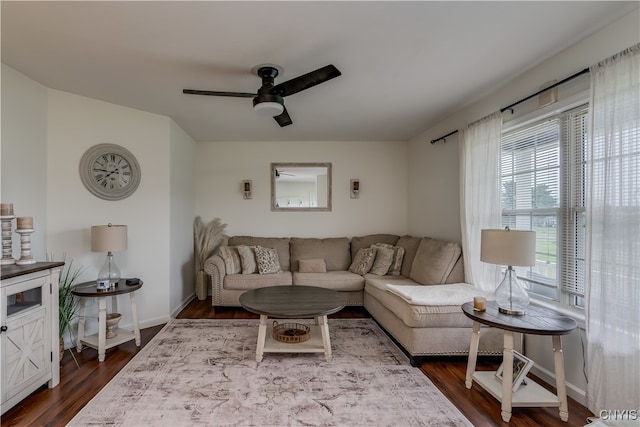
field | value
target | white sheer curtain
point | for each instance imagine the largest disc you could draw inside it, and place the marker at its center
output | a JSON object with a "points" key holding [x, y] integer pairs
{"points": [[480, 204], [613, 234]]}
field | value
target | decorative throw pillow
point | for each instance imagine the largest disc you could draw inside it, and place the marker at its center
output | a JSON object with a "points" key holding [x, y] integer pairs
{"points": [[384, 259], [363, 261], [398, 257], [231, 258], [315, 265], [268, 261], [248, 259]]}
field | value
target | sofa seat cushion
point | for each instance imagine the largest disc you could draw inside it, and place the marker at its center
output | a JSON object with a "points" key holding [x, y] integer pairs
{"points": [[254, 281], [336, 280], [416, 316]]}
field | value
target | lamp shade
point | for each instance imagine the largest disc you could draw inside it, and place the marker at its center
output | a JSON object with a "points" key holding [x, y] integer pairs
{"points": [[108, 238], [508, 247]]}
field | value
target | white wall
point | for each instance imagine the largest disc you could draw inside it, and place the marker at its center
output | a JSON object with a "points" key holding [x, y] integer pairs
{"points": [[24, 155], [433, 178], [75, 124], [44, 134], [380, 166], [182, 190]]}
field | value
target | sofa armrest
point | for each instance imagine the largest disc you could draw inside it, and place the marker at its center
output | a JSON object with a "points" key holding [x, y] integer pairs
{"points": [[214, 267]]}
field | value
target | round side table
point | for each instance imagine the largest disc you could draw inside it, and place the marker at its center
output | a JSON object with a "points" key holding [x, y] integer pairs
{"points": [[100, 341]]}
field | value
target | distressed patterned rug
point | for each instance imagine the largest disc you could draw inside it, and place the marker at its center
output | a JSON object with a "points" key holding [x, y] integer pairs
{"points": [[204, 373]]}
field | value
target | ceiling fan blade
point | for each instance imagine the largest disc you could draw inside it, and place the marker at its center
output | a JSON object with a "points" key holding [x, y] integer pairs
{"points": [[214, 93], [283, 119], [306, 81]]}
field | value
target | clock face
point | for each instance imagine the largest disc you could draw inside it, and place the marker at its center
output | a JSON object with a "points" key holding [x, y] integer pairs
{"points": [[109, 171]]}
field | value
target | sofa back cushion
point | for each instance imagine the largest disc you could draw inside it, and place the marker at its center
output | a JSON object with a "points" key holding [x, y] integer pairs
{"points": [[410, 245], [457, 274], [334, 251], [434, 261], [360, 242], [281, 244]]}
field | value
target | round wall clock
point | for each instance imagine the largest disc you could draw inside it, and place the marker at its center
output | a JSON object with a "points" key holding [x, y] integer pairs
{"points": [[110, 171]]}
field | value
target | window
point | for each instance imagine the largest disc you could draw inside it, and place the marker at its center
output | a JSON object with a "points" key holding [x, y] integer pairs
{"points": [[542, 184]]}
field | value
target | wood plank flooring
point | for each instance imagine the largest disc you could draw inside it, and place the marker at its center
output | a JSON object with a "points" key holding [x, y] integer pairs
{"points": [[78, 385]]}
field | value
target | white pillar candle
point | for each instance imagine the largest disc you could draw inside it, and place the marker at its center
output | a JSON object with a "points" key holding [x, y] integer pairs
{"points": [[479, 303], [6, 209], [25, 223]]}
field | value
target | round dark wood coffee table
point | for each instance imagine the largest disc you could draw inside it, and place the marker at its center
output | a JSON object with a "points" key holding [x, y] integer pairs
{"points": [[293, 302]]}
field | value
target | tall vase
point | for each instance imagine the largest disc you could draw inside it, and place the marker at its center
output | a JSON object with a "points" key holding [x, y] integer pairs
{"points": [[201, 285]]}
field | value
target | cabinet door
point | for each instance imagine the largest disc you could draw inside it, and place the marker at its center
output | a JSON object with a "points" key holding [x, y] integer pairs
{"points": [[27, 351], [26, 344]]}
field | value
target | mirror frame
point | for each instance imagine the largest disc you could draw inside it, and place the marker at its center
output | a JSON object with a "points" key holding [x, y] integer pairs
{"points": [[275, 166]]}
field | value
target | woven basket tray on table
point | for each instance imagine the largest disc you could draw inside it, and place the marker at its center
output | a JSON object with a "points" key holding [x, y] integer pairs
{"points": [[291, 332]]}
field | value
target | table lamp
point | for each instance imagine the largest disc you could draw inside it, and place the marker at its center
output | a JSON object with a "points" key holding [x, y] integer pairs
{"points": [[109, 238], [510, 248]]}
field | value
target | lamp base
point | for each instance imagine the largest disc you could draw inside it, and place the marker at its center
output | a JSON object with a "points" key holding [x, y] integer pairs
{"points": [[511, 296], [109, 272], [514, 312]]}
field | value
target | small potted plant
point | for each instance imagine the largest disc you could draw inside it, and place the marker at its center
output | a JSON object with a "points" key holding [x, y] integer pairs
{"points": [[68, 304]]}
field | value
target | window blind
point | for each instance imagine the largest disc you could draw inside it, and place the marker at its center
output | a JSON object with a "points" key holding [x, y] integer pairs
{"points": [[542, 184]]}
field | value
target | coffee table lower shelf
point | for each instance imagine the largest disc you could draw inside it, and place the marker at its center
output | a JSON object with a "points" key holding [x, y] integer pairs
{"points": [[530, 395], [312, 345], [318, 341]]}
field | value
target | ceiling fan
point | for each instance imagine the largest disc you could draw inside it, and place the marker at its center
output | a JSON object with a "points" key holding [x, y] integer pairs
{"points": [[283, 173], [270, 97]]}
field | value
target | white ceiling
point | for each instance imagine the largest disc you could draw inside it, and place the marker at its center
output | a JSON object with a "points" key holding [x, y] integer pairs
{"points": [[405, 65]]}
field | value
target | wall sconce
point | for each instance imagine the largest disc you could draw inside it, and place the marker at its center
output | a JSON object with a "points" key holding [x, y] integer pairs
{"points": [[355, 188], [246, 189]]}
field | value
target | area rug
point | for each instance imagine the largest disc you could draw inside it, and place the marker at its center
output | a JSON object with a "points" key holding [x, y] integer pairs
{"points": [[204, 373]]}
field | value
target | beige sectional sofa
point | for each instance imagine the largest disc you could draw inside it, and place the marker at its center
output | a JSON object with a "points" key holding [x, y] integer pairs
{"points": [[412, 286]]}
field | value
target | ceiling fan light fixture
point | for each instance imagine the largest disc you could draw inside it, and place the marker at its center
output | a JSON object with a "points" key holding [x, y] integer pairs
{"points": [[270, 109]]}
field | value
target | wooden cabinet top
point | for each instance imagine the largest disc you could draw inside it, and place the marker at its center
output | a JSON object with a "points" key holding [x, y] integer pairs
{"points": [[9, 271]]}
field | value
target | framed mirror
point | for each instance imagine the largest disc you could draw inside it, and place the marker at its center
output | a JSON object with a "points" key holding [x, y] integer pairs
{"points": [[300, 187]]}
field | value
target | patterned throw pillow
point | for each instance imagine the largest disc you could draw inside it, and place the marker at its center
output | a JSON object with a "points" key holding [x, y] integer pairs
{"points": [[231, 258], [363, 261], [248, 259], [268, 261], [384, 259], [398, 256]]}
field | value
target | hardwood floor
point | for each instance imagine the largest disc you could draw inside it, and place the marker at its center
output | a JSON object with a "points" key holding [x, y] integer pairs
{"points": [[79, 384]]}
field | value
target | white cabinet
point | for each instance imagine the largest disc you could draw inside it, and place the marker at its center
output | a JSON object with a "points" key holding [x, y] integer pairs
{"points": [[29, 337]]}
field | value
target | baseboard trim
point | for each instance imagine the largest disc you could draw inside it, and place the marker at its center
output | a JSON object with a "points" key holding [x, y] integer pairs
{"points": [[185, 303], [549, 377]]}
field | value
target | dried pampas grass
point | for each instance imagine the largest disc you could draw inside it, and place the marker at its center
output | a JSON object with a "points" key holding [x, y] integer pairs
{"points": [[207, 239]]}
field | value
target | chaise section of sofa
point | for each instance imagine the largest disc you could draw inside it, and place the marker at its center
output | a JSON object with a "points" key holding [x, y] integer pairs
{"points": [[420, 308]]}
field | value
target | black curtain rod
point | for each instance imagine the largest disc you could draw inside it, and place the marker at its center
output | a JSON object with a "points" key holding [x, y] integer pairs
{"points": [[510, 107]]}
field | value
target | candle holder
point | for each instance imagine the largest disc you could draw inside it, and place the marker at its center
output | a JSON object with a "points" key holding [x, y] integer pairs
{"points": [[25, 246], [7, 244]]}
